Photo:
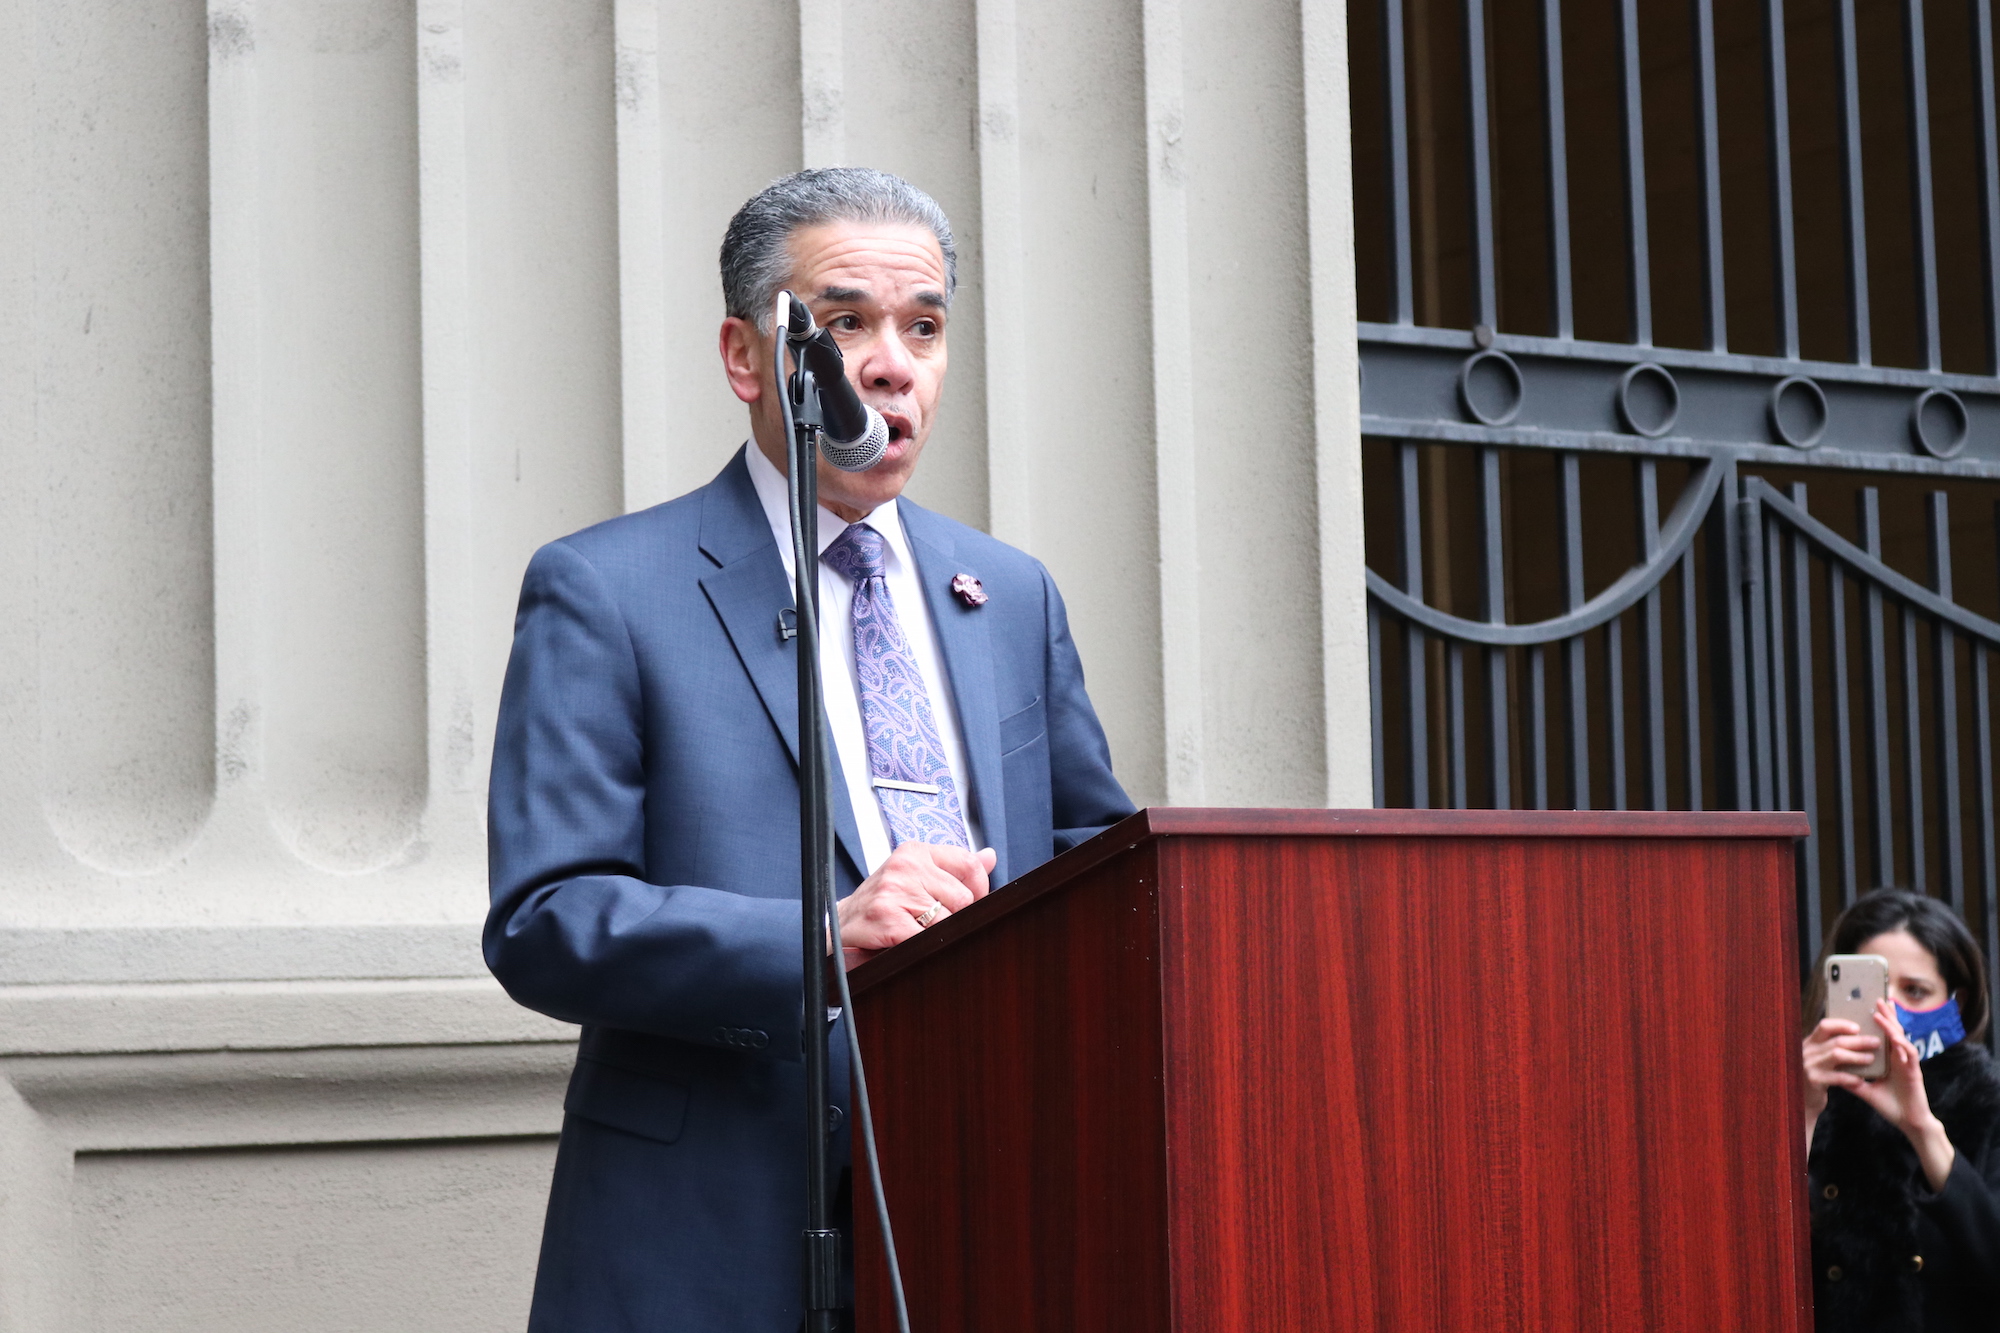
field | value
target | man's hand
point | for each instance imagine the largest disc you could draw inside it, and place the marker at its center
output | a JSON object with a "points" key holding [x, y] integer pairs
{"points": [[919, 880]]}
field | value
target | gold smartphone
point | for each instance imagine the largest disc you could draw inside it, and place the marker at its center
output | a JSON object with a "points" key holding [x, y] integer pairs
{"points": [[1854, 981]]}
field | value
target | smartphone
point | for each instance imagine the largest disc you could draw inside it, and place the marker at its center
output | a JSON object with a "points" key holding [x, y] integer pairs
{"points": [[1854, 981]]}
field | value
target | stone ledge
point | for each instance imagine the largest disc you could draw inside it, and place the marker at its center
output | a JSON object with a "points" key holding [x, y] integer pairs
{"points": [[235, 1099], [51, 955], [265, 1015]]}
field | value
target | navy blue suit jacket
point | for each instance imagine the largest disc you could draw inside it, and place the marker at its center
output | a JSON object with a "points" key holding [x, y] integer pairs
{"points": [[644, 860]]}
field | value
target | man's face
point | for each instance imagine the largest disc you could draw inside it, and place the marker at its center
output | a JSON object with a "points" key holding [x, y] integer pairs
{"points": [[881, 289]]}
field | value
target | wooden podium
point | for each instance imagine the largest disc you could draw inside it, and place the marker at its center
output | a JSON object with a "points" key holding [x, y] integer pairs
{"points": [[1236, 1070]]}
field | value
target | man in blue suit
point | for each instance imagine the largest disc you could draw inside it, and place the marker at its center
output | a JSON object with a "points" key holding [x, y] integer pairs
{"points": [[644, 810]]}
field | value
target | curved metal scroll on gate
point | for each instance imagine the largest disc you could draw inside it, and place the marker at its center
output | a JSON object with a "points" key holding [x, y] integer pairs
{"points": [[1621, 663], [1899, 676], [1751, 658]]}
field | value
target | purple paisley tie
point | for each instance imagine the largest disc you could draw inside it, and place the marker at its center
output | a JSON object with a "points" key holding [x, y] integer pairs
{"points": [[905, 757]]}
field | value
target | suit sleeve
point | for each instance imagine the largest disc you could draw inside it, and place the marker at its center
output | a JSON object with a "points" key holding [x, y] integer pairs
{"points": [[574, 930], [1087, 799]]}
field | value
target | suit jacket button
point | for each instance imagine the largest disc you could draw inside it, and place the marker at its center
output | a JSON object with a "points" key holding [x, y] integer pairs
{"points": [[722, 1035], [1831, 1192], [1916, 1263], [759, 1040], [1834, 1274]]}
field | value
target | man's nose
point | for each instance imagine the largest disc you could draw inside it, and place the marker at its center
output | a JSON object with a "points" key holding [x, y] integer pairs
{"points": [[887, 365]]}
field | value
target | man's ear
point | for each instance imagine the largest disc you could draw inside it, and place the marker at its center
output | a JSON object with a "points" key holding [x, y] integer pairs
{"points": [[742, 349]]}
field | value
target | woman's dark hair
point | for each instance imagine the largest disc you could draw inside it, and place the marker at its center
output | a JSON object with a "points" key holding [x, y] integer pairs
{"points": [[1931, 924]]}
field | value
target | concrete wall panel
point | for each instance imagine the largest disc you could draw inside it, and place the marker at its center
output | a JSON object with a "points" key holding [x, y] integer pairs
{"points": [[311, 1240], [340, 435], [541, 210], [121, 425], [306, 346], [711, 109], [1253, 402], [1085, 396], [910, 84]]}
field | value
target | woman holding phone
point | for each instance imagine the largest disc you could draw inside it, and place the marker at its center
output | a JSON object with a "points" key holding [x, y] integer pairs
{"points": [[1905, 1169]]}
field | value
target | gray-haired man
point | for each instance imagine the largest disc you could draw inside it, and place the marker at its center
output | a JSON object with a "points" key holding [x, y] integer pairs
{"points": [[644, 825]]}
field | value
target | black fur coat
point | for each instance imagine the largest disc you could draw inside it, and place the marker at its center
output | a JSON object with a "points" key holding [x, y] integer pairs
{"points": [[1889, 1256]]}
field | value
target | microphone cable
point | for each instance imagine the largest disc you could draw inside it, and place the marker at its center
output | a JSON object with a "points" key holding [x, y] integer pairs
{"points": [[866, 1118]]}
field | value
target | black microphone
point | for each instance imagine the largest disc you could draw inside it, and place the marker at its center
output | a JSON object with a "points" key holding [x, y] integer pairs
{"points": [[853, 437]]}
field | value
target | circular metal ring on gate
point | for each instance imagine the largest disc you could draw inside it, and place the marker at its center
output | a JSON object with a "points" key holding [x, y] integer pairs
{"points": [[1798, 411], [1940, 422], [1490, 387], [1648, 400]]}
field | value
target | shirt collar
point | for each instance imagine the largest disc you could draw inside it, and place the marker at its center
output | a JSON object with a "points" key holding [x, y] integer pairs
{"points": [[773, 492]]}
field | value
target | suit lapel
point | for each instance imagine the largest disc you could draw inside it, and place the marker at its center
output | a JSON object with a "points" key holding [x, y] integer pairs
{"points": [[968, 660], [747, 592]]}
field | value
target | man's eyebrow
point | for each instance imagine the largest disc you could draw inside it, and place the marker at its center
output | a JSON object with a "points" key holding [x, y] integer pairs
{"points": [[935, 300], [842, 294]]}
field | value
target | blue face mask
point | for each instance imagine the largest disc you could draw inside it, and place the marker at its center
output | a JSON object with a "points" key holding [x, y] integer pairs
{"points": [[1932, 1030]]}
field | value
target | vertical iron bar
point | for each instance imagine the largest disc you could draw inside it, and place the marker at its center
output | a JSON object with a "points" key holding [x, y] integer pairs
{"points": [[1988, 139], [1652, 641], [1485, 287], [1944, 686], [1843, 730], [1575, 665], [1850, 183], [1375, 716], [1989, 854], [1810, 925], [1396, 81], [1989, 881], [1455, 719], [1614, 700], [1725, 647], [1780, 110], [1416, 648], [1913, 752], [1781, 711], [1691, 713], [1709, 141], [1751, 524], [1558, 154], [1917, 67], [1493, 559], [1538, 725], [1635, 174], [1877, 685]]}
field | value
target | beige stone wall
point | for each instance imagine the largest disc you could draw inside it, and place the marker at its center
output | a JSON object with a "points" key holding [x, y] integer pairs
{"points": [[317, 317]]}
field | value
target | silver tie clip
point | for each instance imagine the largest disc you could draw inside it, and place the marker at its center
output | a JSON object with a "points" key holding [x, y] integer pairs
{"points": [[927, 788]]}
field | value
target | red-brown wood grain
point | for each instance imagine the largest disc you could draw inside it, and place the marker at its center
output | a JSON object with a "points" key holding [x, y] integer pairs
{"points": [[1017, 1096], [1372, 1070]]}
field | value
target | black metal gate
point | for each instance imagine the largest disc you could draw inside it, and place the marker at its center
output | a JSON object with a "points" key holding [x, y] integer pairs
{"points": [[1643, 282]]}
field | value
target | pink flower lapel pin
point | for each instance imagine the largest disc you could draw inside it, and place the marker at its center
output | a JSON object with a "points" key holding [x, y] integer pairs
{"points": [[968, 590]]}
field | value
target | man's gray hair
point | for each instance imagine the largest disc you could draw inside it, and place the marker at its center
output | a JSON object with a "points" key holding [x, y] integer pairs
{"points": [[756, 250]]}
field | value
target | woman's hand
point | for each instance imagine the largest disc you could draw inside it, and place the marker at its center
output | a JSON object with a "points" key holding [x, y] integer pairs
{"points": [[1901, 1100], [1831, 1052]]}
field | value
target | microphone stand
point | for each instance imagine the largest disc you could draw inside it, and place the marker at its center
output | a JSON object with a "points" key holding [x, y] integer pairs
{"points": [[804, 419], [798, 397]]}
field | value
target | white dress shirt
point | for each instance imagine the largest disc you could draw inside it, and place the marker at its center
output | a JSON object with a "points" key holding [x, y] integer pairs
{"points": [[836, 652]]}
